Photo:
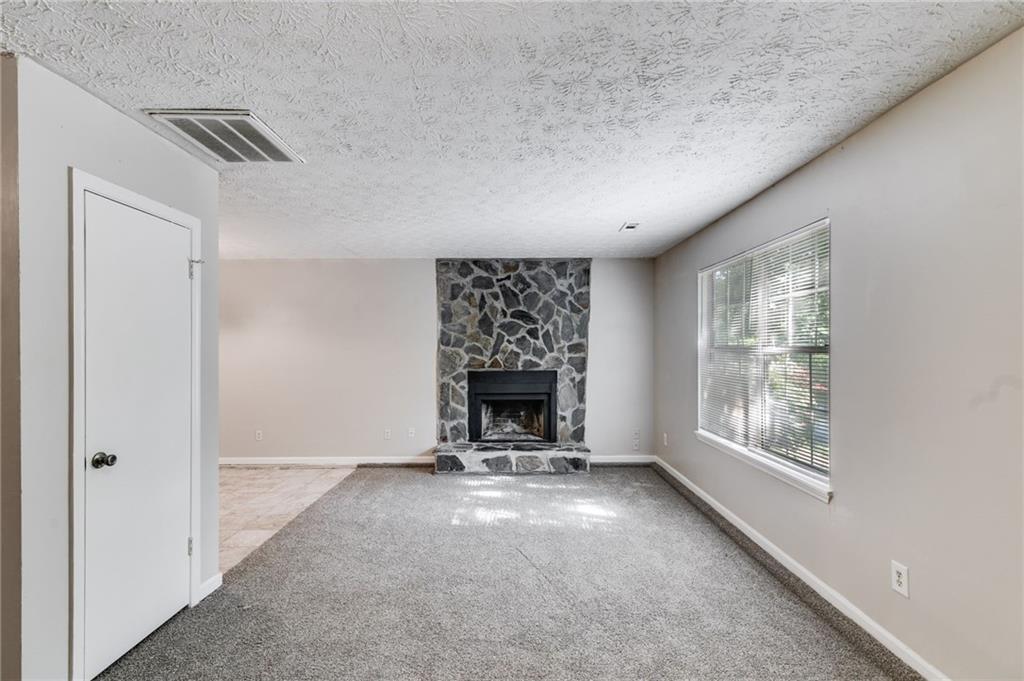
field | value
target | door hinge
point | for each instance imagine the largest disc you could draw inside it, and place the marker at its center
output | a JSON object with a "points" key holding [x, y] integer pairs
{"points": [[191, 267], [190, 546]]}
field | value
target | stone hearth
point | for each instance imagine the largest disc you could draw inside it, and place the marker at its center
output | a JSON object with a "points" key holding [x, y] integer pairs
{"points": [[511, 457]]}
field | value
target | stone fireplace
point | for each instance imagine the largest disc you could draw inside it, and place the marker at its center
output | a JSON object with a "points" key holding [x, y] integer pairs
{"points": [[512, 363]]}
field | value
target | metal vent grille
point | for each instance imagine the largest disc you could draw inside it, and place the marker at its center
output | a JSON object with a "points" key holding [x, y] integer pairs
{"points": [[228, 135]]}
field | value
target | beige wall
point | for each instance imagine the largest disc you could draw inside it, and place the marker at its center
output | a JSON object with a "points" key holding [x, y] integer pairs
{"points": [[926, 209], [323, 355], [61, 126]]}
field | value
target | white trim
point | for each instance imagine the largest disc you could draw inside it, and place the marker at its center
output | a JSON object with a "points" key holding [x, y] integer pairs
{"points": [[622, 458], [859, 617], [82, 183], [207, 588], [818, 486], [324, 460]]}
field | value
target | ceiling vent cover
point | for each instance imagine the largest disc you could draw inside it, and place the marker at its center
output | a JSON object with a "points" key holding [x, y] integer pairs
{"points": [[228, 135]]}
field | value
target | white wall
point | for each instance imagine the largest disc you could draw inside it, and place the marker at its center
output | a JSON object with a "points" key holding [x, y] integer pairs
{"points": [[926, 208], [620, 357], [61, 126], [323, 355]]}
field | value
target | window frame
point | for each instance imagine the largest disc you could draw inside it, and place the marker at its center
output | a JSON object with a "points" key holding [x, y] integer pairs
{"points": [[803, 477]]}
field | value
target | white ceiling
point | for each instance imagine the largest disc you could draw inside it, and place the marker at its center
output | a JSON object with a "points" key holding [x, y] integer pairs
{"points": [[507, 129]]}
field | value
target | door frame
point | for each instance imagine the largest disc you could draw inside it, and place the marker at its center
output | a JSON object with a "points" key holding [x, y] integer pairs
{"points": [[81, 184]]}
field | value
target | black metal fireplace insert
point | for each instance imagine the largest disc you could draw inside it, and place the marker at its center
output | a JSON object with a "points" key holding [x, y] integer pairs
{"points": [[513, 406]]}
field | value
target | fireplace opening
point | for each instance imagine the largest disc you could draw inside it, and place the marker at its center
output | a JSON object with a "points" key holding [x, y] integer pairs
{"points": [[512, 406], [512, 420]]}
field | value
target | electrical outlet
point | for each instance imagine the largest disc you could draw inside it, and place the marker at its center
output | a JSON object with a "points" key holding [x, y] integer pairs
{"points": [[412, 432], [901, 579], [636, 445], [636, 434], [664, 439], [387, 433], [259, 435]]}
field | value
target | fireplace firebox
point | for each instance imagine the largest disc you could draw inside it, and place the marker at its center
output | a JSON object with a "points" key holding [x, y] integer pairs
{"points": [[512, 406]]}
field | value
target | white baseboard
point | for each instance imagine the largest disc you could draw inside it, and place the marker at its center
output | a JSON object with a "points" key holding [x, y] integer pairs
{"points": [[876, 630], [622, 458], [207, 588], [324, 460]]}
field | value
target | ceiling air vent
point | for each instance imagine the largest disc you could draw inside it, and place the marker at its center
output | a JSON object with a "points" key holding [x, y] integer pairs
{"points": [[229, 135]]}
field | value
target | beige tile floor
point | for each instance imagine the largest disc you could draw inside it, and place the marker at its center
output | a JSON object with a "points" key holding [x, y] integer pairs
{"points": [[257, 501]]}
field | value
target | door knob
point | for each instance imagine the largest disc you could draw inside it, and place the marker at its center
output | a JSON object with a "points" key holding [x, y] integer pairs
{"points": [[101, 459]]}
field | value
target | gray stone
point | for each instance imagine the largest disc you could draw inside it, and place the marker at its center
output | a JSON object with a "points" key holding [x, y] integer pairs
{"points": [[499, 342], [544, 280], [527, 463], [546, 311], [457, 432], [577, 463], [511, 327], [510, 297], [499, 464], [522, 284], [448, 463], [577, 362], [523, 316], [567, 399], [482, 283], [559, 464], [486, 266], [485, 324], [549, 341], [583, 324], [449, 361]]}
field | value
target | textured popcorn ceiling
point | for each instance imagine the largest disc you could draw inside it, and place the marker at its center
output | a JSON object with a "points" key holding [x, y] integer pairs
{"points": [[507, 129]]}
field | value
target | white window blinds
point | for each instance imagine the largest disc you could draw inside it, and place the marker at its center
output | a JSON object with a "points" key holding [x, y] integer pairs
{"points": [[764, 342]]}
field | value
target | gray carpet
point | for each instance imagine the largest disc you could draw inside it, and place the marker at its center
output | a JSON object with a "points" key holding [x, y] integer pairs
{"points": [[400, 574]]}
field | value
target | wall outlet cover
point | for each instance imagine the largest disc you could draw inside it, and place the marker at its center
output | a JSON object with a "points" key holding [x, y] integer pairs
{"points": [[387, 433], [901, 579], [259, 435]]}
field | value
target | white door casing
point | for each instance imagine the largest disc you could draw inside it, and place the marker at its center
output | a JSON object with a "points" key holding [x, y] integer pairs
{"points": [[135, 395]]}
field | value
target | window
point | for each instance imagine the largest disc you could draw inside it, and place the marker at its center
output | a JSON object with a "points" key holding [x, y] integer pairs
{"points": [[764, 350]]}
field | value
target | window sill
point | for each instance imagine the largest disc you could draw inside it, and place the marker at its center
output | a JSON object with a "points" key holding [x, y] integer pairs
{"points": [[817, 486]]}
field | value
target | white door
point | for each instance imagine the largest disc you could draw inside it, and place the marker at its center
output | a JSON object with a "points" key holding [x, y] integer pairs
{"points": [[137, 391]]}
